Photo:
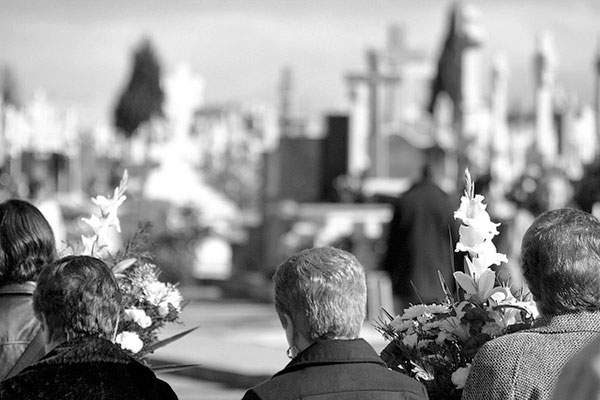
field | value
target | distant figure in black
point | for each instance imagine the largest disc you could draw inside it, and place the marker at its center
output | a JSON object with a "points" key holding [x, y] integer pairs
{"points": [[421, 237]]}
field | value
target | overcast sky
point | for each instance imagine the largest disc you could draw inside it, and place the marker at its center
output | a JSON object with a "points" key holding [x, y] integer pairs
{"points": [[79, 51]]}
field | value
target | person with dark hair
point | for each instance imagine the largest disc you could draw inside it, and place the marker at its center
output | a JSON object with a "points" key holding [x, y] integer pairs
{"points": [[320, 298], [26, 245], [561, 265], [78, 301], [421, 237]]}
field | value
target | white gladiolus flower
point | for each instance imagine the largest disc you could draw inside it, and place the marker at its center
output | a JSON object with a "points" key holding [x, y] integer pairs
{"points": [[139, 317], [472, 213], [129, 341]]}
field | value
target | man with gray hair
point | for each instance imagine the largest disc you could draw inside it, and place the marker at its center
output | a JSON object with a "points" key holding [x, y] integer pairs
{"points": [[561, 265], [320, 298]]}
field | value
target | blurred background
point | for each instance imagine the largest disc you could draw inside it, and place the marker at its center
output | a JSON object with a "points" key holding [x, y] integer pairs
{"points": [[253, 129]]}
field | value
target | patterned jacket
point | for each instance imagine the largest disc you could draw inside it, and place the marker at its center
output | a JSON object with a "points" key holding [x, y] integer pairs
{"points": [[527, 364], [86, 368]]}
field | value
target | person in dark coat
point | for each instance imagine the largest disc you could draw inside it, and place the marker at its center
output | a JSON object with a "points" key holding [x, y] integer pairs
{"points": [[320, 298], [26, 245], [77, 299], [421, 238], [561, 265]]}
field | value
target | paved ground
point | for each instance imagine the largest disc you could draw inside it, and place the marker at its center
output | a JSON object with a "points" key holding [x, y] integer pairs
{"points": [[238, 343]]}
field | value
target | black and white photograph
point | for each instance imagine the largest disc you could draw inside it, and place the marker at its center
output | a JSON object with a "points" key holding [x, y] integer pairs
{"points": [[286, 199]]}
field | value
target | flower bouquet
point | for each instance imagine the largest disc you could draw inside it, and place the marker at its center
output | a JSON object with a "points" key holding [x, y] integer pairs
{"points": [[436, 343], [147, 303]]}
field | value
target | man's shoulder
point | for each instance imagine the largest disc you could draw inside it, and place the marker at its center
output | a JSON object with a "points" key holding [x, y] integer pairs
{"points": [[366, 377], [513, 342]]}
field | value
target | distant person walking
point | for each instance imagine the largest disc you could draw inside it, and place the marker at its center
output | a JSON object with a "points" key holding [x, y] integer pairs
{"points": [[419, 242]]}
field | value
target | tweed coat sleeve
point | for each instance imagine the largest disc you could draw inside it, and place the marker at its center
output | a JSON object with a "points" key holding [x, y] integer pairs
{"points": [[527, 364], [492, 375]]}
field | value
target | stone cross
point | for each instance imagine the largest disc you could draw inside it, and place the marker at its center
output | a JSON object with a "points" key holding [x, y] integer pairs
{"points": [[374, 79], [396, 57]]}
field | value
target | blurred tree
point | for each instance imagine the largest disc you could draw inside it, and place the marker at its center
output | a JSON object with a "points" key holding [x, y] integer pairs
{"points": [[8, 87], [143, 97]]}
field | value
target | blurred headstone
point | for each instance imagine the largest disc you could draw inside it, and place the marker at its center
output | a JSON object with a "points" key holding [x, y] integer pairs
{"points": [[335, 154]]}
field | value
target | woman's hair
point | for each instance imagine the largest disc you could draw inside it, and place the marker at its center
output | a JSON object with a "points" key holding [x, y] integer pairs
{"points": [[323, 290], [78, 295], [561, 261], [26, 242]]}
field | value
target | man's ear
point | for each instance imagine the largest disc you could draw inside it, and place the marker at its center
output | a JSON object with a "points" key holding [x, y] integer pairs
{"points": [[288, 326], [283, 319]]}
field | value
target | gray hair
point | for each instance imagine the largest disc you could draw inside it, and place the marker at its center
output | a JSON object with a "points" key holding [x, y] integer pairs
{"points": [[323, 290], [561, 261]]}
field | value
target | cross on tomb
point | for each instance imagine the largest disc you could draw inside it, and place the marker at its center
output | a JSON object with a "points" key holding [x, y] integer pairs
{"points": [[397, 55], [373, 79]]}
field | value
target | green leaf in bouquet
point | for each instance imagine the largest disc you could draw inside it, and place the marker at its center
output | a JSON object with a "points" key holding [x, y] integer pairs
{"points": [[445, 289], [122, 266], [417, 292], [139, 244], [161, 343]]}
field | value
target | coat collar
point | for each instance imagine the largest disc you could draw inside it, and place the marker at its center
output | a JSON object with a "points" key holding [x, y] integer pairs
{"points": [[86, 350], [324, 352], [572, 322], [18, 288]]}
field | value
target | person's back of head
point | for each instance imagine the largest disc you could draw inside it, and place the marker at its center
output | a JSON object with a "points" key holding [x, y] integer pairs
{"points": [[77, 296], [26, 242], [561, 261], [434, 165], [324, 291]]}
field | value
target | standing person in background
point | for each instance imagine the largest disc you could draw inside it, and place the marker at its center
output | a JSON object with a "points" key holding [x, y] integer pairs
{"points": [[320, 298], [421, 237], [26, 245], [78, 301]]}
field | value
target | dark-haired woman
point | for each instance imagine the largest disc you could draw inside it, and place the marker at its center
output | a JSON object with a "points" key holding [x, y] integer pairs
{"points": [[26, 245]]}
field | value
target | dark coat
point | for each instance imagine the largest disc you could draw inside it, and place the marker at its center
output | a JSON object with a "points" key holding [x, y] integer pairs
{"points": [[18, 325], [419, 243], [338, 370], [86, 368], [527, 364]]}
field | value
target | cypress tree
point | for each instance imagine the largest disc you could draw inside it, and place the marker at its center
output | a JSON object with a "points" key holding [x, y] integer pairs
{"points": [[142, 98]]}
